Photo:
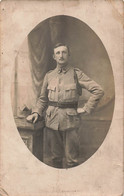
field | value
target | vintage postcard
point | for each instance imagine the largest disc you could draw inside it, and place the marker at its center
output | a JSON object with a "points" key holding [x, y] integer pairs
{"points": [[61, 117]]}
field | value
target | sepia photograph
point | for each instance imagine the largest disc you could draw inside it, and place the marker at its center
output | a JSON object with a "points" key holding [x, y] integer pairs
{"points": [[61, 124], [62, 101]]}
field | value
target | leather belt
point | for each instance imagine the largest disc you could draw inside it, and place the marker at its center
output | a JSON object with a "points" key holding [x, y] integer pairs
{"points": [[63, 105]]}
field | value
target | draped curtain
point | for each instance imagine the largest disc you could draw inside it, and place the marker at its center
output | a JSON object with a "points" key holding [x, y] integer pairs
{"points": [[34, 59]]}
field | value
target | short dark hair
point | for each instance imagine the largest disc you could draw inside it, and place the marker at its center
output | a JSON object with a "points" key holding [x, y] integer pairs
{"points": [[61, 44]]}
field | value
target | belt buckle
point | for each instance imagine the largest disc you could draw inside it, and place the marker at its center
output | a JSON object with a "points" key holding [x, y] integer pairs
{"points": [[58, 104]]}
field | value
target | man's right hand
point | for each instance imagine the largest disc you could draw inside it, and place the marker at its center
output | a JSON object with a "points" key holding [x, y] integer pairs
{"points": [[32, 118]]}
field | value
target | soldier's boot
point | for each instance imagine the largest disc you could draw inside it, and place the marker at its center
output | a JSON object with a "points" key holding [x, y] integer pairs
{"points": [[70, 165], [57, 163]]}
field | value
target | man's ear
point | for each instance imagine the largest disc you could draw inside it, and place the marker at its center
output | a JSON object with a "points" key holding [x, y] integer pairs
{"points": [[54, 57]]}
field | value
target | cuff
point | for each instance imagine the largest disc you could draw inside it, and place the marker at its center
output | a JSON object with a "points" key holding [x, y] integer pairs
{"points": [[88, 110], [37, 111]]}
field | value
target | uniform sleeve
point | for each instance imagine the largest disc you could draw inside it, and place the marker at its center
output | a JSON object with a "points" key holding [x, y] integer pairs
{"points": [[42, 101], [94, 88]]}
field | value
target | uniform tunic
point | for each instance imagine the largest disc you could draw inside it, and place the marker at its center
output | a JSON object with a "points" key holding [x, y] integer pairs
{"points": [[60, 86]]}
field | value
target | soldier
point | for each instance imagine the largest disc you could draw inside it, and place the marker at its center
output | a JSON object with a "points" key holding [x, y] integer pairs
{"points": [[59, 95]]}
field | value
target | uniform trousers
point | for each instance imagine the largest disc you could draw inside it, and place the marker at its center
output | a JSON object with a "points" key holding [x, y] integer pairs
{"points": [[63, 144]]}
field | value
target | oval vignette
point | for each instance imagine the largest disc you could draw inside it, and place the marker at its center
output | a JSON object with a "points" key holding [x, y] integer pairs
{"points": [[35, 59]]}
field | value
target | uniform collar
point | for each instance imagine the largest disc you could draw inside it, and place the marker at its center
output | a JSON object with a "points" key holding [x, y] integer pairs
{"points": [[63, 69]]}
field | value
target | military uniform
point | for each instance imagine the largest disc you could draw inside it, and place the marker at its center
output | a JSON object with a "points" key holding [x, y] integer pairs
{"points": [[60, 94]]}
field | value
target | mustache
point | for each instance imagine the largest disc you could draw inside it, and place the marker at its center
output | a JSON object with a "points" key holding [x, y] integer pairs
{"points": [[61, 58]]}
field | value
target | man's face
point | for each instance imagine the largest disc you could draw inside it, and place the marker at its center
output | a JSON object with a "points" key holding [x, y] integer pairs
{"points": [[61, 55]]}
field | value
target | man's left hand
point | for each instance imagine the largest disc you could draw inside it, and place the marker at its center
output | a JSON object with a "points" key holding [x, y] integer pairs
{"points": [[81, 111]]}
